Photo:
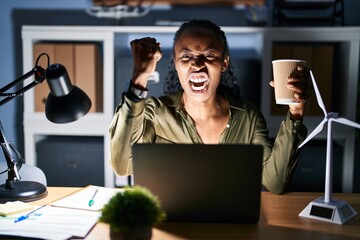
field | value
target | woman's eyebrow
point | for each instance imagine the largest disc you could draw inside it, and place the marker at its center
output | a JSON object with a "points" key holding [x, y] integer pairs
{"points": [[185, 49]]}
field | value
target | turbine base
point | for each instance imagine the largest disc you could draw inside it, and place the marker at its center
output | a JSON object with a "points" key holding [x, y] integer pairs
{"points": [[335, 211]]}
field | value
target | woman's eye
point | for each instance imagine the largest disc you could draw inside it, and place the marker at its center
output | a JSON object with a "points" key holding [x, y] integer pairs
{"points": [[210, 57], [185, 57]]}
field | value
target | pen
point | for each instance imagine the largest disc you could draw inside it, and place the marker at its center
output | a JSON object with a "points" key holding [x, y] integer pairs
{"points": [[91, 201], [23, 217]]}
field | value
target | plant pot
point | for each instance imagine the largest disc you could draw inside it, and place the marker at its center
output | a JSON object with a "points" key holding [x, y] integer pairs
{"points": [[136, 233]]}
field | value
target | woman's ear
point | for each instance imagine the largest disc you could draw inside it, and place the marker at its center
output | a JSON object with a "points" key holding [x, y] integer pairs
{"points": [[225, 63]]}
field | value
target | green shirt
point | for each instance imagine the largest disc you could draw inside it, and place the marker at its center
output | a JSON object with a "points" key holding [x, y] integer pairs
{"points": [[162, 120]]}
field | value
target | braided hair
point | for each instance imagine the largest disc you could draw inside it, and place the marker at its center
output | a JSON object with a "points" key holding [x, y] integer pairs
{"points": [[228, 80]]}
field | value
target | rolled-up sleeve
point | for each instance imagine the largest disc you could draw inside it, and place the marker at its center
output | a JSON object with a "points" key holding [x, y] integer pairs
{"points": [[281, 163], [126, 128]]}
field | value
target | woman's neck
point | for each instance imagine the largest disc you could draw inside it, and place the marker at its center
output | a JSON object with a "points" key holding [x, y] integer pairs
{"points": [[210, 117], [213, 107]]}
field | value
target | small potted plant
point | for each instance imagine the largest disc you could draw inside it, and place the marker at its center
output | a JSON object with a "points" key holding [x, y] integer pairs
{"points": [[132, 214]]}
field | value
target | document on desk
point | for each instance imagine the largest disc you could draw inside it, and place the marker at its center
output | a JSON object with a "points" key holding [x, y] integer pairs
{"points": [[51, 223], [91, 198]]}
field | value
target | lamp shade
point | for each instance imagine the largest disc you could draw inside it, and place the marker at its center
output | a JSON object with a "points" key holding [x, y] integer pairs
{"points": [[65, 103]]}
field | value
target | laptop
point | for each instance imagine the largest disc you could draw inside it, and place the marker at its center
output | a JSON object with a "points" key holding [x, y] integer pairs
{"points": [[202, 183]]}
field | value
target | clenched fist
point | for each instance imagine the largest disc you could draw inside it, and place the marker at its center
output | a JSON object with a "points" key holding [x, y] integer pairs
{"points": [[146, 53]]}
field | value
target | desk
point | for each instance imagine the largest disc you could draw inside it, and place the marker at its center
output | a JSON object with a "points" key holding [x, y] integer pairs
{"points": [[278, 220]]}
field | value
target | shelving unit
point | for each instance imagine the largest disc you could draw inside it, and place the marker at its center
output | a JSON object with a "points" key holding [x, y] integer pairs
{"points": [[245, 43], [347, 41], [36, 126]]}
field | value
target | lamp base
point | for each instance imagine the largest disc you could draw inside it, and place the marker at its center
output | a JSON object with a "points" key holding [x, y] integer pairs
{"points": [[335, 211], [25, 191]]}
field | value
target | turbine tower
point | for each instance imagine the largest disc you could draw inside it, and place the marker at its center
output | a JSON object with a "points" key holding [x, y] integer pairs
{"points": [[325, 208]]}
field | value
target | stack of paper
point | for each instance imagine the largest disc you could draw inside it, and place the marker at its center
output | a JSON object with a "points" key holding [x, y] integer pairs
{"points": [[65, 218], [51, 223], [11, 208]]}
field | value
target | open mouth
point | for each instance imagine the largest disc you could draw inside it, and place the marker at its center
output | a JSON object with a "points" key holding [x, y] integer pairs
{"points": [[198, 81]]}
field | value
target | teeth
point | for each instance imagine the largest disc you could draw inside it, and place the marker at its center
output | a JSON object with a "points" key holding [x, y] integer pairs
{"points": [[198, 84], [197, 80], [195, 88]]}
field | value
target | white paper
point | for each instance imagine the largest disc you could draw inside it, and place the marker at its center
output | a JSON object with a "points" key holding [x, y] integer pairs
{"points": [[80, 199], [51, 223]]}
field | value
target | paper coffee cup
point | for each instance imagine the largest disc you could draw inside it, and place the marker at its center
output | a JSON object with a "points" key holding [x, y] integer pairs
{"points": [[282, 69]]}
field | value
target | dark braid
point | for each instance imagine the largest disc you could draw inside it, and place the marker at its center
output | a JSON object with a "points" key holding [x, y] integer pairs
{"points": [[228, 80]]}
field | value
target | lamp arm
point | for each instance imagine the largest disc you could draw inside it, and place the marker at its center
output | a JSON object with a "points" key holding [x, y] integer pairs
{"points": [[39, 73], [13, 158]]}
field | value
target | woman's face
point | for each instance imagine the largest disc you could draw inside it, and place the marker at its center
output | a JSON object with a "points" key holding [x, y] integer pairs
{"points": [[199, 60]]}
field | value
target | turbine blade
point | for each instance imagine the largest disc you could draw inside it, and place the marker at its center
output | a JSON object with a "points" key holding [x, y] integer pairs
{"points": [[314, 132], [318, 95], [346, 122]]}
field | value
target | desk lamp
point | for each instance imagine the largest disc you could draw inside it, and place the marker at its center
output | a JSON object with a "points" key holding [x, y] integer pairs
{"points": [[326, 208], [65, 103]]}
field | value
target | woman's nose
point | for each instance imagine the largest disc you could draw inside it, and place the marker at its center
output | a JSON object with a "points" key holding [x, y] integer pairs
{"points": [[197, 63]]}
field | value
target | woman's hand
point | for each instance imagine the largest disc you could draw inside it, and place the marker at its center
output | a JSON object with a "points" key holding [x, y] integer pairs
{"points": [[299, 81], [146, 53]]}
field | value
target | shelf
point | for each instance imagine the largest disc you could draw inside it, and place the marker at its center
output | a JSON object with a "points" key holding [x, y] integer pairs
{"points": [[251, 50], [308, 13], [347, 40], [95, 123]]}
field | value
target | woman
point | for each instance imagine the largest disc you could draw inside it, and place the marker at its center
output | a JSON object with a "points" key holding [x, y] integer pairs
{"points": [[206, 108]]}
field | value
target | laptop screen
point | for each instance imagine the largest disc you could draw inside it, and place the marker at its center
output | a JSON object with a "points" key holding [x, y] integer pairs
{"points": [[202, 183]]}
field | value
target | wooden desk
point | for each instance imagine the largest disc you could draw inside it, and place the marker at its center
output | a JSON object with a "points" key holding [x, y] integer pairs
{"points": [[278, 220]]}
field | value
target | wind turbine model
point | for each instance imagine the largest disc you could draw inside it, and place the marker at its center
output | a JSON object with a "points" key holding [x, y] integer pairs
{"points": [[325, 208]]}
